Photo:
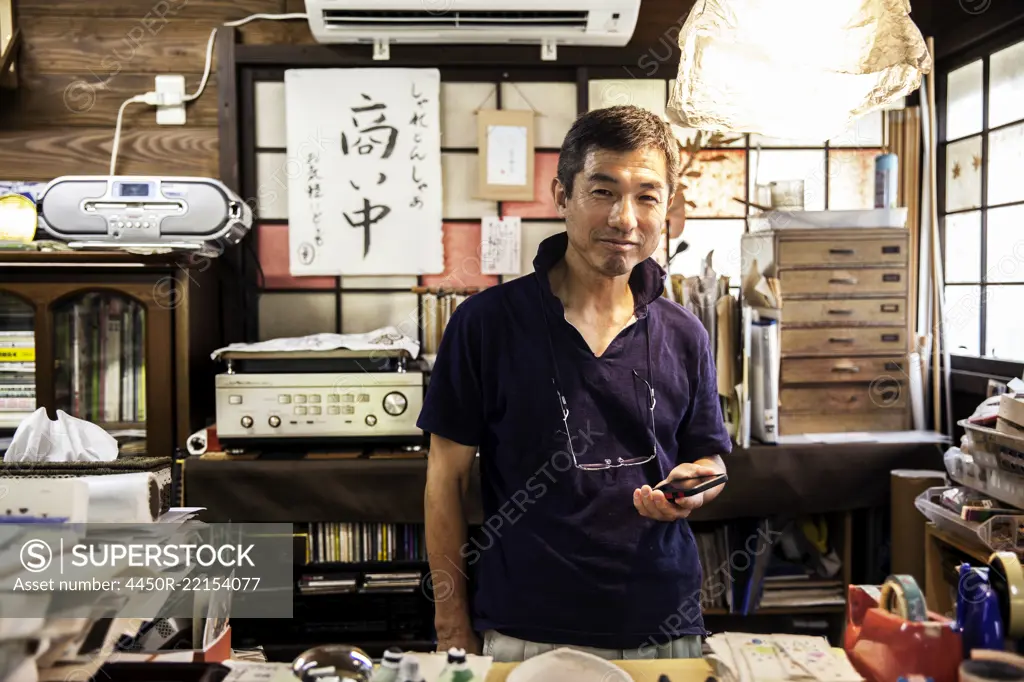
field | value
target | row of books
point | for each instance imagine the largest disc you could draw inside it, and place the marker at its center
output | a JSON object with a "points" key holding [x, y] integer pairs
{"points": [[764, 564], [101, 373], [349, 583], [17, 376], [360, 542]]}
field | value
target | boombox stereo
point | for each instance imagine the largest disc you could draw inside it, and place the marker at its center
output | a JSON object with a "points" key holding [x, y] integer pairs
{"points": [[144, 212]]}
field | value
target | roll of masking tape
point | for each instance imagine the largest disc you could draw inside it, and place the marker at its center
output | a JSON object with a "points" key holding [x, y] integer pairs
{"points": [[990, 671], [18, 218], [1007, 580], [901, 596]]}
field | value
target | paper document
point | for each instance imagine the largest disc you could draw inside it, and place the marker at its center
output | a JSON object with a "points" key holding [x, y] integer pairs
{"points": [[506, 155], [385, 338], [500, 242]]}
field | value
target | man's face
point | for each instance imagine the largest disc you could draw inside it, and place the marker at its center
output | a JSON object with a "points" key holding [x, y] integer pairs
{"points": [[616, 212]]}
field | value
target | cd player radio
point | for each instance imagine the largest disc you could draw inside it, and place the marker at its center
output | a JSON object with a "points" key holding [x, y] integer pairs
{"points": [[144, 212]]}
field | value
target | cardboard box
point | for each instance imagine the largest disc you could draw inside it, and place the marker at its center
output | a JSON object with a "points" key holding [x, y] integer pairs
{"points": [[1011, 411]]}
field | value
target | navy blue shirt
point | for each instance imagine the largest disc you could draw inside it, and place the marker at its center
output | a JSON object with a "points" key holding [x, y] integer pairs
{"points": [[563, 556]]}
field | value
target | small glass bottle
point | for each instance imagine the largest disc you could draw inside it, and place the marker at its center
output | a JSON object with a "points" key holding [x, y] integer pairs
{"points": [[409, 670], [457, 669], [387, 671]]}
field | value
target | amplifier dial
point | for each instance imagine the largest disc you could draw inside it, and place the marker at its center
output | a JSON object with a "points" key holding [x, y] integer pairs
{"points": [[246, 422], [395, 403], [274, 421]]}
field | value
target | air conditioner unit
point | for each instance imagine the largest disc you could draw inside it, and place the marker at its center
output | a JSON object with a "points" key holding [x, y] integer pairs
{"points": [[536, 22]]}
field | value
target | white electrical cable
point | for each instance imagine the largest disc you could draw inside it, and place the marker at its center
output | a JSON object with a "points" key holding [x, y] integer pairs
{"points": [[153, 98]]}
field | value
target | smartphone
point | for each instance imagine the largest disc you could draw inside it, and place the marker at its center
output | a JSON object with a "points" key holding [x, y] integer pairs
{"points": [[687, 487]]}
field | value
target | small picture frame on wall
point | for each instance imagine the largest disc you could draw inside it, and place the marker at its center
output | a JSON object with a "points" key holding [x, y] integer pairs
{"points": [[505, 140]]}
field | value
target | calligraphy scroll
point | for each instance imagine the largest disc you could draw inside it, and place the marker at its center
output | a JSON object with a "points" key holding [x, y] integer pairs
{"points": [[506, 155], [365, 199]]}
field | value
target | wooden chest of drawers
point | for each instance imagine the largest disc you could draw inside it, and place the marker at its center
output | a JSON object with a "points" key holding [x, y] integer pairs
{"points": [[845, 328]]}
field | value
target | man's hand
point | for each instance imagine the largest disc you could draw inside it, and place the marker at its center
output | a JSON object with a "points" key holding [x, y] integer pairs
{"points": [[654, 505], [460, 636]]}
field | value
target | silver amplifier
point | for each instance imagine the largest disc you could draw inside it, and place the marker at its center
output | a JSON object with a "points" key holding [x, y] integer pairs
{"points": [[275, 405]]}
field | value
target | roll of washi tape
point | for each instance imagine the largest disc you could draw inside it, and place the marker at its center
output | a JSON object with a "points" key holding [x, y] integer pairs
{"points": [[902, 597], [1007, 579], [990, 671], [18, 218]]}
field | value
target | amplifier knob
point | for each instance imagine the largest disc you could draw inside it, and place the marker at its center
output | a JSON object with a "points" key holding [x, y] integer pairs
{"points": [[274, 421], [246, 422], [395, 403], [371, 420]]}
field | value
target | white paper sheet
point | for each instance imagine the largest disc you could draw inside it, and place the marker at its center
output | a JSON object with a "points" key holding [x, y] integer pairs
{"points": [[385, 338], [363, 171], [507, 155], [500, 245]]}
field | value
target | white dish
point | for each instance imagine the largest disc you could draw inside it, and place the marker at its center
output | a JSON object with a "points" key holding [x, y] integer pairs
{"points": [[568, 664]]}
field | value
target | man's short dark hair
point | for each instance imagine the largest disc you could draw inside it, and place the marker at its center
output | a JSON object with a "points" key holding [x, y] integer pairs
{"points": [[619, 129]]}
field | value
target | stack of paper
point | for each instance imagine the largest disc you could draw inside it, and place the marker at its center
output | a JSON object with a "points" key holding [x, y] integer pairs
{"points": [[743, 657]]}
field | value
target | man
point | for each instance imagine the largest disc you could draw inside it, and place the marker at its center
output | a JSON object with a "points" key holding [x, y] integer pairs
{"points": [[582, 388]]}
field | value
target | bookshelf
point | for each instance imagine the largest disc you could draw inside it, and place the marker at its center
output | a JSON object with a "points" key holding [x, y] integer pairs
{"points": [[111, 338]]}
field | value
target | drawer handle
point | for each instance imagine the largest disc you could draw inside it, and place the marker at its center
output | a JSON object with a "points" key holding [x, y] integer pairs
{"points": [[843, 280], [890, 338], [841, 252], [890, 278], [893, 367], [890, 307], [846, 369], [840, 311], [840, 340], [890, 249]]}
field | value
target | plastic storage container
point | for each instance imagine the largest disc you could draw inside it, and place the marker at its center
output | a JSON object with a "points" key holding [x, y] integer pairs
{"points": [[978, 473], [1001, 533]]}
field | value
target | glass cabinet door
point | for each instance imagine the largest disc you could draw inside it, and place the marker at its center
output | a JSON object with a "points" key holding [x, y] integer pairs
{"points": [[17, 360], [99, 360]]}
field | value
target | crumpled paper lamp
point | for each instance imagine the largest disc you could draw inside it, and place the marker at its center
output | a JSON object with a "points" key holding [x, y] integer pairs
{"points": [[797, 69]]}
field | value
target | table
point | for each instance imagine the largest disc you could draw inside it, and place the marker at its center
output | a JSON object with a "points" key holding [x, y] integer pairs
{"points": [[677, 669]]}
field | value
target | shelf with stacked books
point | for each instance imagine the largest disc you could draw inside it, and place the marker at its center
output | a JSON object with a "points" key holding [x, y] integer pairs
{"points": [[17, 361]]}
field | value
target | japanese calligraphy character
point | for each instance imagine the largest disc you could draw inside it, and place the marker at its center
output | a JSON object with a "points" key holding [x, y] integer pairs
{"points": [[419, 119], [387, 135], [370, 215], [354, 185], [416, 203], [381, 179], [314, 191], [415, 155]]}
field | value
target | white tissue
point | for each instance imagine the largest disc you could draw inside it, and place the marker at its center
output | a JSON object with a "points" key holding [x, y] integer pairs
{"points": [[68, 439]]}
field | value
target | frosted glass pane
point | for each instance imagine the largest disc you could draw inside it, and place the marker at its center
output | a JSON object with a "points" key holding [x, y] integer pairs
{"points": [[272, 181], [719, 183], [461, 259], [962, 330], [963, 174], [866, 131], [545, 168], [808, 166], [722, 236], [1006, 165], [1006, 86], [851, 183], [459, 177], [361, 313], [284, 315], [275, 261], [1006, 245], [963, 101], [647, 93], [271, 130], [459, 102], [1004, 326], [963, 247], [378, 282], [554, 102]]}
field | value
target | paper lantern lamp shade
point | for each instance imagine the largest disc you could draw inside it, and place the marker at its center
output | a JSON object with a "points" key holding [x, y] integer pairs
{"points": [[802, 69]]}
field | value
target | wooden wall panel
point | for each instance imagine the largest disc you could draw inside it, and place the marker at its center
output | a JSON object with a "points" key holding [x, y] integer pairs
{"points": [[225, 10], [44, 154]]}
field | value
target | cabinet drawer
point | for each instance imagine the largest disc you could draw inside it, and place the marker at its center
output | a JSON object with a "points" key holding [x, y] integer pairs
{"points": [[850, 281], [842, 369], [883, 393], [843, 340], [891, 251], [882, 420], [845, 311]]}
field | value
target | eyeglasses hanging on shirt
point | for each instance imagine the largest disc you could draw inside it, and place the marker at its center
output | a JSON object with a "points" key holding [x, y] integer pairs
{"points": [[652, 401]]}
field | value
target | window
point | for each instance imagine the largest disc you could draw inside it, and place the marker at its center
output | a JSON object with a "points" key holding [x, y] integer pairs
{"points": [[981, 202], [838, 174]]}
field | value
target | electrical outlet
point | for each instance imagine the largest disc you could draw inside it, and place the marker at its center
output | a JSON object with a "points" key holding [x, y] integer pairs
{"points": [[171, 89]]}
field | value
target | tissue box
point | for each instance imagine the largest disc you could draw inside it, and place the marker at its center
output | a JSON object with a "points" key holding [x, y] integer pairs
{"points": [[159, 467]]}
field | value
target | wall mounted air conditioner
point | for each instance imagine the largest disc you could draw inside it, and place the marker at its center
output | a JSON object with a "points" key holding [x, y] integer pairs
{"points": [[536, 22]]}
